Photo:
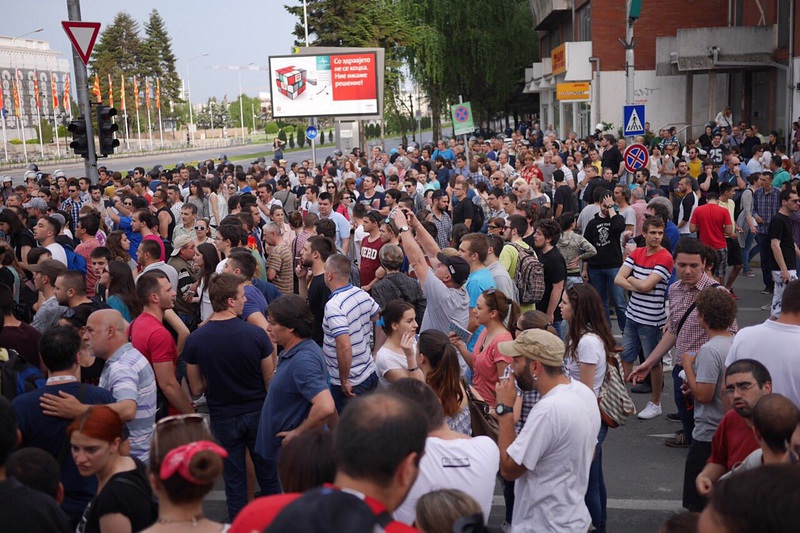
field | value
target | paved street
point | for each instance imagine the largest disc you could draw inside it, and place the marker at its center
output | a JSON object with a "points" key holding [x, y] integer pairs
{"points": [[644, 478]]}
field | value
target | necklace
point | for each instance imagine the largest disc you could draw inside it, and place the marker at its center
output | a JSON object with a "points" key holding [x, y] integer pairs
{"points": [[194, 520]]}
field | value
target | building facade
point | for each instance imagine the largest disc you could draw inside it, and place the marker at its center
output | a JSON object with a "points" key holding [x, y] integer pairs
{"points": [[692, 58]]}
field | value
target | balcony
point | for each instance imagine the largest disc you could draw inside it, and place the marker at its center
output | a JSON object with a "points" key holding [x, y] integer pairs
{"points": [[547, 14]]}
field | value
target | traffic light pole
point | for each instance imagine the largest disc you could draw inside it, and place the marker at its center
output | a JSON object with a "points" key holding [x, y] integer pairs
{"points": [[82, 86]]}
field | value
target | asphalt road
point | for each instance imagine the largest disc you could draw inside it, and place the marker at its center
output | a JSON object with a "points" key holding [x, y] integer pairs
{"points": [[644, 478]]}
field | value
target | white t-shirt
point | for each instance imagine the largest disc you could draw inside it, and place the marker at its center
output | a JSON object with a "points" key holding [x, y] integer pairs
{"points": [[58, 253], [556, 446], [775, 346], [590, 351], [358, 236], [469, 465], [386, 360]]}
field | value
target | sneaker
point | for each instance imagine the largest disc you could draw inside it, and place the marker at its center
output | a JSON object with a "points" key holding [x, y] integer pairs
{"points": [[767, 307], [678, 441], [201, 400], [674, 417], [749, 274], [650, 411], [642, 388], [766, 291]]}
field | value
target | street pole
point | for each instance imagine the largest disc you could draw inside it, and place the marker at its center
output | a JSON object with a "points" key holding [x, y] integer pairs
{"points": [[189, 95], [413, 120], [628, 44], [241, 105], [312, 121], [82, 86]]}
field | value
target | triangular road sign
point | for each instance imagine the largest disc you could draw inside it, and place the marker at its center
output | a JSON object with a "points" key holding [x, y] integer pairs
{"points": [[83, 36], [634, 124]]}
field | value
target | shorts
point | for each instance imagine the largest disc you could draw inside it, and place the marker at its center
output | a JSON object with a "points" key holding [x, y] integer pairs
{"points": [[637, 337], [735, 257], [722, 263]]}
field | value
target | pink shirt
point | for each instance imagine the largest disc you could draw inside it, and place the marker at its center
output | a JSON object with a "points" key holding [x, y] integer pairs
{"points": [[485, 365]]}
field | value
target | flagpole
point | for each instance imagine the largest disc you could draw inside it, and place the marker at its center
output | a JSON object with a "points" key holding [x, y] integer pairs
{"points": [[138, 125], [38, 113], [20, 125], [149, 124], [158, 106], [125, 114], [5, 140]]}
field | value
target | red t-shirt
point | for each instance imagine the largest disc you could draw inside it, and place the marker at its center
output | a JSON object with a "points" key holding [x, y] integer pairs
{"points": [[369, 259], [157, 239], [733, 441], [149, 336], [711, 220], [260, 513]]}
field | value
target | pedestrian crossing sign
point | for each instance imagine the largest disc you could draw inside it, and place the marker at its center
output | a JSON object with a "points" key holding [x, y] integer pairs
{"points": [[633, 118]]}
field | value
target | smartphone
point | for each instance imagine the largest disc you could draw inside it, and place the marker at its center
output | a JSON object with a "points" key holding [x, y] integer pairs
{"points": [[462, 333]]}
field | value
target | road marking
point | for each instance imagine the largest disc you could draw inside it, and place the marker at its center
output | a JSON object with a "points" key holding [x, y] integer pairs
{"points": [[662, 435], [623, 504]]}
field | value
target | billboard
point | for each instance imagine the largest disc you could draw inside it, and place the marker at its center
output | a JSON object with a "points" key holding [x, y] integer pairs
{"points": [[334, 84]]}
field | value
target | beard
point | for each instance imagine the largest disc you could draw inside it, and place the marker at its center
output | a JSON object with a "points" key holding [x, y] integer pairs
{"points": [[525, 379], [308, 263]]}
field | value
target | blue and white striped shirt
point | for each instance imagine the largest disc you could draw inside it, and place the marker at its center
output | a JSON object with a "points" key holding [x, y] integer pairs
{"points": [[349, 311]]}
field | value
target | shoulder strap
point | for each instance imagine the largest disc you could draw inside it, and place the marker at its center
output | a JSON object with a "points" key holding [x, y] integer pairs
{"points": [[688, 312]]}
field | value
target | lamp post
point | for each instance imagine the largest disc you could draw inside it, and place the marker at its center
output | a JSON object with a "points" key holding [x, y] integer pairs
{"points": [[189, 95]]}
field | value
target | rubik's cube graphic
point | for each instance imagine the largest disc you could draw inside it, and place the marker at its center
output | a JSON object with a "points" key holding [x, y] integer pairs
{"points": [[291, 81]]}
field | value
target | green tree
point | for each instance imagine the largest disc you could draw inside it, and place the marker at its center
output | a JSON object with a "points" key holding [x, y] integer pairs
{"points": [[158, 59], [301, 139], [272, 128], [248, 105], [118, 52], [282, 135], [291, 140]]}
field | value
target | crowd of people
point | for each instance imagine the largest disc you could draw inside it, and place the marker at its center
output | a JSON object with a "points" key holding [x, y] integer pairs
{"points": [[377, 341]]}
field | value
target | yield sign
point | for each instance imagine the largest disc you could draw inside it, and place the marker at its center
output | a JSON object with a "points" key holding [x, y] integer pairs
{"points": [[83, 35]]}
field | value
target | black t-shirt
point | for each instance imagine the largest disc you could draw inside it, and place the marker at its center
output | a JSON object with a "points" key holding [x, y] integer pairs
{"points": [[612, 158], [555, 271], [563, 196], [748, 144], [127, 493], [23, 238], [91, 374], [604, 234], [30, 510], [780, 227], [463, 210], [588, 194], [318, 294]]}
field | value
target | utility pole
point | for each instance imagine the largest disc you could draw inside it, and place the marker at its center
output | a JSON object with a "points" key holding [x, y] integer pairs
{"points": [[633, 9], [82, 86]]}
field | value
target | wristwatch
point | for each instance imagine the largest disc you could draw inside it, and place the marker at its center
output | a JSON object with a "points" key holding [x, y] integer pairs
{"points": [[401, 229], [503, 409]]}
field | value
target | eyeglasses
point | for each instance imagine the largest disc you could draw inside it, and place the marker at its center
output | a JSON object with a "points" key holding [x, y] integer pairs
{"points": [[741, 387], [200, 228], [495, 227], [177, 420], [129, 204], [609, 206]]}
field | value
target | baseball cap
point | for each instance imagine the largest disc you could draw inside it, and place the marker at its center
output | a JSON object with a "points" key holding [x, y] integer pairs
{"points": [[459, 269], [36, 203], [536, 345], [51, 268], [179, 243], [59, 174]]}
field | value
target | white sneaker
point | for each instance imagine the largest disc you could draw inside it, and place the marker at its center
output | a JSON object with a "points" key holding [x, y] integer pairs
{"points": [[650, 411]]}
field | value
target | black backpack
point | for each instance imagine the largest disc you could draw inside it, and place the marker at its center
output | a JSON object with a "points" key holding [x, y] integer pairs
{"points": [[18, 376]]}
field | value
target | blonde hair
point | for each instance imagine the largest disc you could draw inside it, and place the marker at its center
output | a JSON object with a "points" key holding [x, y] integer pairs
{"points": [[437, 511]]}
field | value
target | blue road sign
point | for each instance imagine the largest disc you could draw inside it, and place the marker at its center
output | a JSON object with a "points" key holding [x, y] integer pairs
{"points": [[633, 120], [311, 133]]}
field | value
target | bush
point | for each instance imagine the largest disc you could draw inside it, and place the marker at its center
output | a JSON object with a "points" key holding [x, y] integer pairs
{"points": [[301, 139], [282, 135], [272, 128], [289, 129], [291, 140], [321, 138]]}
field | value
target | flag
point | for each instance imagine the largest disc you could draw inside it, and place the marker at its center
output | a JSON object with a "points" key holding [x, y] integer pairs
{"points": [[54, 91], [66, 99], [36, 89], [17, 99], [147, 91], [110, 91], [158, 93], [136, 92], [96, 89], [2, 104], [122, 91]]}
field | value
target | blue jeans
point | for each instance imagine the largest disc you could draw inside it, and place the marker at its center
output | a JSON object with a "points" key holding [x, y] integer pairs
{"points": [[602, 279], [596, 492], [367, 386], [236, 434], [637, 337], [765, 251], [748, 250], [685, 412]]}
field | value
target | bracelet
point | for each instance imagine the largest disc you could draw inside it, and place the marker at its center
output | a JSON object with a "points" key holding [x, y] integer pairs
{"points": [[413, 369]]}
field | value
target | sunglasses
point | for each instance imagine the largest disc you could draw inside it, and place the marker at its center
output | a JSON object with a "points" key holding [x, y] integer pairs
{"points": [[200, 228], [176, 420]]}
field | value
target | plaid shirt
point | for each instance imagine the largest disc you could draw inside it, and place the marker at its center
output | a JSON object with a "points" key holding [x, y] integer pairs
{"points": [[74, 209], [444, 230], [691, 336], [766, 205], [529, 399], [479, 177]]}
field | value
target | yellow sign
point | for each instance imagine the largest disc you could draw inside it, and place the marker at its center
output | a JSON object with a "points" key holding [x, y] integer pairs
{"points": [[579, 90], [558, 57]]}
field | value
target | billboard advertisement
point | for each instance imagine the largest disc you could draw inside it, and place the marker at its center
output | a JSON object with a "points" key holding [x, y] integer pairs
{"points": [[336, 84]]}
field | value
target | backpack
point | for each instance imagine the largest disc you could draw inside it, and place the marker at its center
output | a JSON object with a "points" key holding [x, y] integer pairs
{"points": [[478, 217], [529, 277], [74, 260], [17, 376]]}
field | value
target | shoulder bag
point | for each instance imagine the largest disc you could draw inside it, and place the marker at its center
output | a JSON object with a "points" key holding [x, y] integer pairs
{"points": [[614, 402], [481, 419]]}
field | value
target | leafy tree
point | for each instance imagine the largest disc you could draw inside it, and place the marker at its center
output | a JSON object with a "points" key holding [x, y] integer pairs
{"points": [[282, 135], [301, 139], [321, 138], [118, 52], [158, 59], [272, 128], [291, 140], [248, 104]]}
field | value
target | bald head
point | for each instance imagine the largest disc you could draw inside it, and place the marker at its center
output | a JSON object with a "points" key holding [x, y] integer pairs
{"points": [[105, 332]]}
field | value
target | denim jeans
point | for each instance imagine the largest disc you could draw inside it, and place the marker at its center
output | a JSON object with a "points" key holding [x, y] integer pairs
{"points": [[684, 411], [602, 279], [367, 386], [637, 337], [236, 434], [748, 251], [596, 492], [765, 251]]}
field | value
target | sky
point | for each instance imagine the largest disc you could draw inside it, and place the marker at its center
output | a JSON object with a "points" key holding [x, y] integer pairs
{"points": [[234, 32]]}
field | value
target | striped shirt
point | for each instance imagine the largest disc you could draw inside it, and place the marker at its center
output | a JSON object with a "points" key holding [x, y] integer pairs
{"points": [[128, 376], [349, 311], [648, 308]]}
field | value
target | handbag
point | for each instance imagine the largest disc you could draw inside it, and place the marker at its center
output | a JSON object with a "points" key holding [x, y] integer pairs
{"points": [[614, 402], [481, 419]]}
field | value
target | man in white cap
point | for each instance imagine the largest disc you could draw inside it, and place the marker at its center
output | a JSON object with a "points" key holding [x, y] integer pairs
{"points": [[551, 456]]}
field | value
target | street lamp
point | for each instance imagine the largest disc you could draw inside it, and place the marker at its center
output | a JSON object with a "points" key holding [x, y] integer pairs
{"points": [[189, 95]]}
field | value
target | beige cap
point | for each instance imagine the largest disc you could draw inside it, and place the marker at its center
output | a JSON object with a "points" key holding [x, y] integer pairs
{"points": [[536, 345]]}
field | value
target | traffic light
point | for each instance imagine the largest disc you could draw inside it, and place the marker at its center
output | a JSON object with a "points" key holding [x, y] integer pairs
{"points": [[106, 129], [80, 143]]}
